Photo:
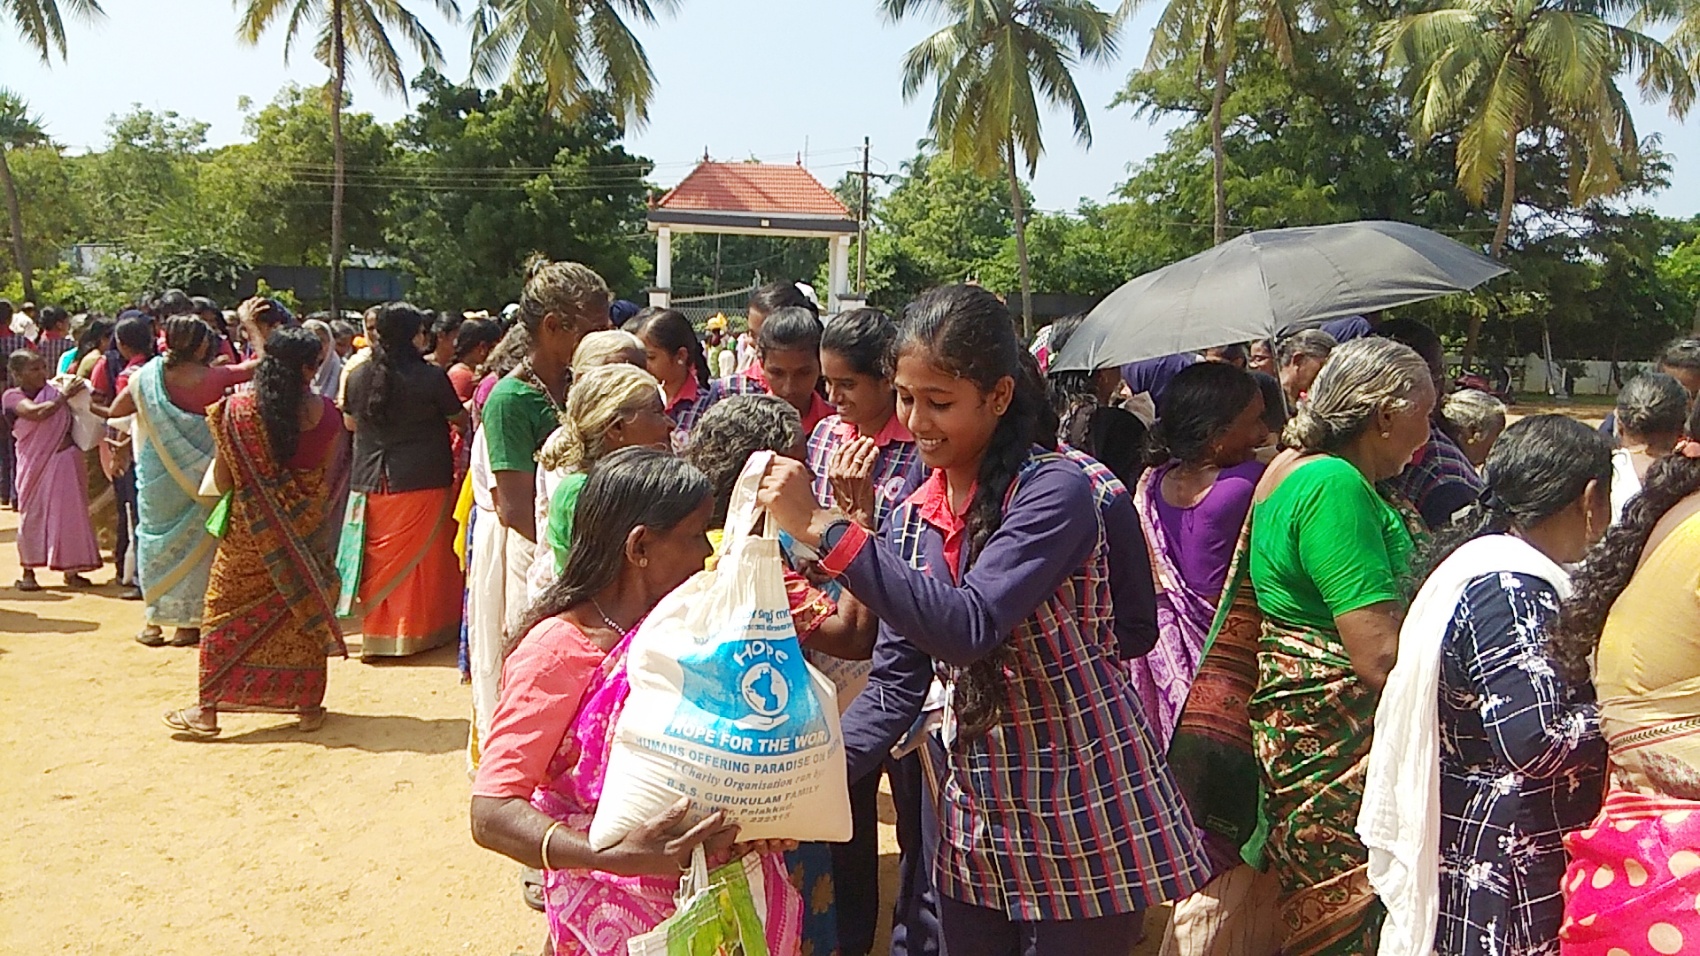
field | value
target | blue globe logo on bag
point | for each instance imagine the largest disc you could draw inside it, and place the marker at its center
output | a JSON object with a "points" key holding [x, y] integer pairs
{"points": [[750, 696]]}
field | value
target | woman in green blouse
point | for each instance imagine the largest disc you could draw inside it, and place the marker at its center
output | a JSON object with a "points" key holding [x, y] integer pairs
{"points": [[1327, 560]]}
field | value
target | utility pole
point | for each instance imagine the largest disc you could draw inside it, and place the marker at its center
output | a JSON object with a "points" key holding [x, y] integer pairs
{"points": [[862, 228]]}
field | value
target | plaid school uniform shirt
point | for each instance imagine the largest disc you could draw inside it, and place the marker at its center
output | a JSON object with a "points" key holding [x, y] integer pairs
{"points": [[1064, 809], [897, 464], [1438, 482], [687, 408]]}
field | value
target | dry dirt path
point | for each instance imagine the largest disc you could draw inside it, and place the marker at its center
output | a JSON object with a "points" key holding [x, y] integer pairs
{"points": [[267, 840]]}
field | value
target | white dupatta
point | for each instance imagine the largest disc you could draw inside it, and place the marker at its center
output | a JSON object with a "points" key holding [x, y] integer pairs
{"points": [[1400, 818]]}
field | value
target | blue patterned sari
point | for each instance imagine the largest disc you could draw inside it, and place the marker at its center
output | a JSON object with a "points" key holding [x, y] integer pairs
{"points": [[174, 553]]}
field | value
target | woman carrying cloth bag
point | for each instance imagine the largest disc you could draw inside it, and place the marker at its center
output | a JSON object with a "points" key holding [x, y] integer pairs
{"points": [[1060, 823], [642, 531]]}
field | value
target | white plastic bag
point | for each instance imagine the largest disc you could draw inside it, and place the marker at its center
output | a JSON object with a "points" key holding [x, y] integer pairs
{"points": [[87, 428], [724, 708]]}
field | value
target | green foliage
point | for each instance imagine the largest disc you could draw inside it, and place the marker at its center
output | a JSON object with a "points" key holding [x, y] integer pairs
{"points": [[703, 263], [211, 271], [271, 197], [485, 179], [55, 284], [581, 53], [144, 183], [1485, 72], [287, 297], [53, 210], [366, 29], [942, 223], [43, 25]]}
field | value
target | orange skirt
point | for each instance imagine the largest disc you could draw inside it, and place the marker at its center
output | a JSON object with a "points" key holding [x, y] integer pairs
{"points": [[410, 580]]}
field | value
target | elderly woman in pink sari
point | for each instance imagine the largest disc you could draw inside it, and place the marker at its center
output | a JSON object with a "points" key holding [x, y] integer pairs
{"points": [[640, 531], [1192, 504], [53, 502]]}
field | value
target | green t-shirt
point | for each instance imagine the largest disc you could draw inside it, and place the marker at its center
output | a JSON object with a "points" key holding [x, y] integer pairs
{"points": [[517, 419], [1324, 543], [560, 530]]}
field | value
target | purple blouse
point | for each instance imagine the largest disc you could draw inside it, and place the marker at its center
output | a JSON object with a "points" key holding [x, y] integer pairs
{"points": [[1205, 534]]}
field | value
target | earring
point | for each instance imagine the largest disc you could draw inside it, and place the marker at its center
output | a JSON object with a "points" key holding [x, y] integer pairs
{"points": [[643, 562], [1387, 434]]}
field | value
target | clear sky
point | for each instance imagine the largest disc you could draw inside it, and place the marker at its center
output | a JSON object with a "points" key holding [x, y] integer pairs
{"points": [[763, 78]]}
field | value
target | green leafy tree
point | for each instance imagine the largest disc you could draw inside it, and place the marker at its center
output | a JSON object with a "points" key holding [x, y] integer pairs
{"points": [[942, 222], [581, 52], [18, 129], [1492, 72], [269, 197], [43, 26], [1204, 37], [143, 183], [487, 178], [56, 214], [360, 28], [992, 66]]}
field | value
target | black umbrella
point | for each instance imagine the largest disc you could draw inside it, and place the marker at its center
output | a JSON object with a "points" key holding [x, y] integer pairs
{"points": [[1263, 285]]}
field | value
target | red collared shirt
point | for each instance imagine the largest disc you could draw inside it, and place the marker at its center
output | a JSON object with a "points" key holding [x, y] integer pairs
{"points": [[932, 504], [819, 410]]}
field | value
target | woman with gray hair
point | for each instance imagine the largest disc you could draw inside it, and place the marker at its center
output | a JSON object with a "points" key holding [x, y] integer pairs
{"points": [[1474, 420], [1298, 359], [1651, 412], [1315, 601]]}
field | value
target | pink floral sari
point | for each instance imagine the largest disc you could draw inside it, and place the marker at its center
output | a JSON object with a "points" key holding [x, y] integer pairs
{"points": [[592, 913], [1163, 677]]}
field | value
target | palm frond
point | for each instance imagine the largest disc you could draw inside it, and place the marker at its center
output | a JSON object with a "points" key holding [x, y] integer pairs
{"points": [[43, 25]]}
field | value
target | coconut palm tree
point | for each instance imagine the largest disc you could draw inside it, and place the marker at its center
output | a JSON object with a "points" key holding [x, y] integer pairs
{"points": [[1492, 71], [993, 65], [18, 129], [1209, 30], [42, 25], [579, 51], [360, 28]]}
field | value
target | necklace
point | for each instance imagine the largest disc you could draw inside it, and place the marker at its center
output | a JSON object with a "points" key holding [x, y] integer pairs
{"points": [[617, 629], [529, 374]]}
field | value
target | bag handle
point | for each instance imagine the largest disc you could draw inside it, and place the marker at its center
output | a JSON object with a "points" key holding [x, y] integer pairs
{"points": [[742, 511], [695, 877]]}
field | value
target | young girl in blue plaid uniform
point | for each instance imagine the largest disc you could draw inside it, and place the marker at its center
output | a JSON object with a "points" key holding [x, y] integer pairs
{"points": [[1059, 821]]}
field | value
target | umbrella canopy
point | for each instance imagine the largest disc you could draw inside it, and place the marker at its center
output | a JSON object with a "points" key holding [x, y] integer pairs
{"points": [[1263, 285]]}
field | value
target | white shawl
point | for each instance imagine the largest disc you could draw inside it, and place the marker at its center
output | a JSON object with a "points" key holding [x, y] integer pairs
{"points": [[1400, 818]]}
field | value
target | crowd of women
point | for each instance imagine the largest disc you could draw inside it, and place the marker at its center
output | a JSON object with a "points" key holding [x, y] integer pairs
{"points": [[1283, 634]]}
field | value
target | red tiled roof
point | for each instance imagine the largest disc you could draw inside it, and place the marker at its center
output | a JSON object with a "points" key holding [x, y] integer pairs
{"points": [[753, 188]]}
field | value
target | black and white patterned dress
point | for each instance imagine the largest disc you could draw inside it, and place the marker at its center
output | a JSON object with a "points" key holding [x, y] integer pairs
{"points": [[1521, 763]]}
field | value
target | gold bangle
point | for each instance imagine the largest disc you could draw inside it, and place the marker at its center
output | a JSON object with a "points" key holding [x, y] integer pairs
{"points": [[545, 847]]}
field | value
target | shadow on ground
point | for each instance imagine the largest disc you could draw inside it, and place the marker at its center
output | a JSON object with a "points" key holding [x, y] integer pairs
{"points": [[28, 622], [373, 733]]}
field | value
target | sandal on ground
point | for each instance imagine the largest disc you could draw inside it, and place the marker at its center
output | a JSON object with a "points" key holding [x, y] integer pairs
{"points": [[130, 593], [177, 641], [24, 584], [151, 637], [77, 581], [531, 882], [179, 721], [311, 720]]}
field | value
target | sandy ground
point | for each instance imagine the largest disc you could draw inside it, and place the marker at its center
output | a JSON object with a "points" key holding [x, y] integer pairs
{"points": [[268, 840]]}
